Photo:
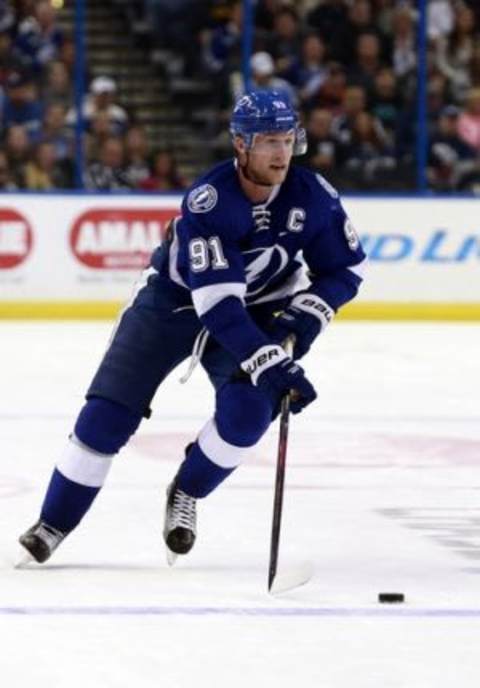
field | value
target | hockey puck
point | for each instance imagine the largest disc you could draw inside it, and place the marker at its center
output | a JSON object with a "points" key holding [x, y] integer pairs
{"points": [[391, 597]]}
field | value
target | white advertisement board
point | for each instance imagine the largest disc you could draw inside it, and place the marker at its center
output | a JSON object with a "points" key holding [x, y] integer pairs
{"points": [[79, 255], [421, 250]]}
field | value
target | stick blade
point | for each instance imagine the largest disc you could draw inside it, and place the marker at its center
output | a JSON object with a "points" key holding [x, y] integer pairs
{"points": [[290, 579]]}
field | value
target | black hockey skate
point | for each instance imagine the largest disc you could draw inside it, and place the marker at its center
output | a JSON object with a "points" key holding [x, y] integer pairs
{"points": [[180, 527], [40, 541]]}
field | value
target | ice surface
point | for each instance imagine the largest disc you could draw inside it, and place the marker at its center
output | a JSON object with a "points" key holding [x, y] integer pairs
{"points": [[383, 494]]}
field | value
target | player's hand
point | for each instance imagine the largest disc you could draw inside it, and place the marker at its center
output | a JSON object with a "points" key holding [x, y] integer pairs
{"points": [[277, 374], [305, 318]]}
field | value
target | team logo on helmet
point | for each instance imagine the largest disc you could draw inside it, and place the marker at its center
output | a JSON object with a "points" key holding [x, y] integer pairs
{"points": [[202, 199]]}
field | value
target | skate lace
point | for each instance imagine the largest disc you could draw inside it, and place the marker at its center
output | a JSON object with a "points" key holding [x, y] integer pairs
{"points": [[51, 536], [183, 512]]}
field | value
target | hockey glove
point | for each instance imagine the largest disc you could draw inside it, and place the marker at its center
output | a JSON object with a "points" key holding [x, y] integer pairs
{"points": [[276, 374], [305, 317]]}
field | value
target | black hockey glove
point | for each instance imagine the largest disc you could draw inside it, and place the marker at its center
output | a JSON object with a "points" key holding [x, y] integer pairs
{"points": [[276, 373], [305, 317]]}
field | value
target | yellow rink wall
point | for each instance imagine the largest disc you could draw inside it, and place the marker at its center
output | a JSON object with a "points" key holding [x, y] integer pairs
{"points": [[78, 256]]}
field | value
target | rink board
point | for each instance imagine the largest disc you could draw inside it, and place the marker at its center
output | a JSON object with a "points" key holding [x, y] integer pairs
{"points": [[78, 256]]}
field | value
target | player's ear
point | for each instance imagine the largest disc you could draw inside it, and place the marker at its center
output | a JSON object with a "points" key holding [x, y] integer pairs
{"points": [[239, 145]]}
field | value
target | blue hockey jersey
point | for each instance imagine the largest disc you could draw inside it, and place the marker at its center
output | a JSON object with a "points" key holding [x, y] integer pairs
{"points": [[229, 253]]}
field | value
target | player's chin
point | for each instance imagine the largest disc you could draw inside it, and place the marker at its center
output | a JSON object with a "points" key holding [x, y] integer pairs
{"points": [[277, 174]]}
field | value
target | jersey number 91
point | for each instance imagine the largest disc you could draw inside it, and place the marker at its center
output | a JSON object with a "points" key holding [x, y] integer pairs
{"points": [[207, 253]]}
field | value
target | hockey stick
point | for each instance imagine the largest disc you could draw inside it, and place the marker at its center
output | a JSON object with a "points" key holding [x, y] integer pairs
{"points": [[300, 575]]}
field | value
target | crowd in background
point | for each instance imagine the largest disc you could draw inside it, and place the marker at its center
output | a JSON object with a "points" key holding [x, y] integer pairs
{"points": [[351, 68], [348, 65], [38, 117]]}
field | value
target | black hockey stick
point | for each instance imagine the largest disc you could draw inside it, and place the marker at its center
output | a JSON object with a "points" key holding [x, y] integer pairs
{"points": [[301, 574], [279, 489]]}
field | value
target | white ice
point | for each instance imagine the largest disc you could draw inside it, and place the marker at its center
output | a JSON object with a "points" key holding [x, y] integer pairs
{"points": [[382, 494]]}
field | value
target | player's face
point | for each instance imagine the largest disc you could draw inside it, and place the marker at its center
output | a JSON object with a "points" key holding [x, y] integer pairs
{"points": [[269, 158]]}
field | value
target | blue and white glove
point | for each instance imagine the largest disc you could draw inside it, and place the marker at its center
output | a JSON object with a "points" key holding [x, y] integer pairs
{"points": [[305, 317], [276, 373]]}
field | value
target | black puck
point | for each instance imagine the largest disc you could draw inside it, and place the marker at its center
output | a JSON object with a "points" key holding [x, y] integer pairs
{"points": [[391, 597]]}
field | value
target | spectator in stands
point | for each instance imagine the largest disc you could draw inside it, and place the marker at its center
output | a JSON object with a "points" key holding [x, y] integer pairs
{"points": [[474, 67], [103, 91], [6, 181], [102, 98], [24, 9], [437, 96], [343, 41], [328, 18], [263, 78], [108, 172], [323, 149], [440, 19], [9, 61], [386, 104], [67, 56], [473, 5], [469, 120], [368, 160], [309, 70], [172, 22], [450, 158], [136, 154], [265, 12], [57, 86], [332, 91], [454, 56], [18, 148], [404, 53], [383, 11], [222, 46], [55, 131], [101, 128], [165, 176], [42, 172], [20, 105], [39, 39], [7, 17], [285, 42], [367, 62], [354, 102]]}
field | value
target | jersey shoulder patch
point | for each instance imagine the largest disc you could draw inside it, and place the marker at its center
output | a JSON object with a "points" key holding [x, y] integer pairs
{"points": [[202, 199]]}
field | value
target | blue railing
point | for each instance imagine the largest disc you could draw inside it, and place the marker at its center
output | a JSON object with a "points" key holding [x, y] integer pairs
{"points": [[422, 113], [80, 64]]}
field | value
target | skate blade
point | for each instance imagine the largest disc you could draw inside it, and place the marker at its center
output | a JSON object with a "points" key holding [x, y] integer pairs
{"points": [[171, 557], [291, 578], [23, 560]]}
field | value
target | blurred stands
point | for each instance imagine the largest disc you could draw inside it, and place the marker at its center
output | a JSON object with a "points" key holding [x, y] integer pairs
{"points": [[162, 76]]}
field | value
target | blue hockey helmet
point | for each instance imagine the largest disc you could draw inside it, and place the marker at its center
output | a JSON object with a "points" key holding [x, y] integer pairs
{"points": [[266, 112]]}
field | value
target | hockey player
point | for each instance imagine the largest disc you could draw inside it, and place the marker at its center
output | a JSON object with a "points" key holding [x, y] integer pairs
{"points": [[226, 287]]}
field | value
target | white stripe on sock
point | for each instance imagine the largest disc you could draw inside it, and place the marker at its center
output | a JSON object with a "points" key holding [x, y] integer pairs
{"points": [[220, 452], [82, 465]]}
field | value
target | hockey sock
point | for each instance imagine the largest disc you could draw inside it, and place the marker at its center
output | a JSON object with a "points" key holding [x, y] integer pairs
{"points": [[74, 484], [242, 415], [199, 475], [66, 502], [209, 461]]}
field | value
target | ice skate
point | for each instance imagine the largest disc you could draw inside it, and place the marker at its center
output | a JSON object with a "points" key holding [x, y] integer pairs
{"points": [[39, 541], [180, 523]]}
